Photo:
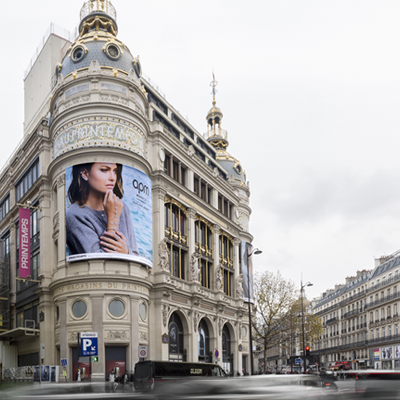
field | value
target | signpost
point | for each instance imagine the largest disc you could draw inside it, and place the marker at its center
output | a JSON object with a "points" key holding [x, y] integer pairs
{"points": [[142, 351], [89, 345], [298, 361]]}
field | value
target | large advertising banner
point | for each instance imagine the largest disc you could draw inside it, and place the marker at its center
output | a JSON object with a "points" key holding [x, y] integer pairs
{"points": [[247, 271], [386, 353], [24, 242], [108, 213]]}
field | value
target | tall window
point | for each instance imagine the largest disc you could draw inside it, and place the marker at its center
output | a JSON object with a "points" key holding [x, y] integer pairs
{"points": [[226, 252], [204, 246], [5, 283], [226, 349], [27, 180], [175, 169], [4, 207], [176, 233]]}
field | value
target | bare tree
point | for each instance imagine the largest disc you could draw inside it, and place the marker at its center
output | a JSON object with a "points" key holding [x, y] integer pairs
{"points": [[277, 320]]}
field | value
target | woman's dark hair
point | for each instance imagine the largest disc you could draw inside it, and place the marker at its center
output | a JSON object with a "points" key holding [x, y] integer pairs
{"points": [[78, 190]]}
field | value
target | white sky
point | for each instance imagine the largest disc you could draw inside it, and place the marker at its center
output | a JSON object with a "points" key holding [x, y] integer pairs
{"points": [[310, 96]]}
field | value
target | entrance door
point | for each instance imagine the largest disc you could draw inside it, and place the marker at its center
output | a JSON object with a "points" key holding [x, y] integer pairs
{"points": [[115, 360]]}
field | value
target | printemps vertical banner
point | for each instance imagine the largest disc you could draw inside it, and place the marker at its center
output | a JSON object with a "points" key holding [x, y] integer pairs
{"points": [[95, 232], [24, 242], [247, 271]]}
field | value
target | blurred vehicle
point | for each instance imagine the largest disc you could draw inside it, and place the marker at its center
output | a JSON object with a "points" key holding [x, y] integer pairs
{"points": [[340, 366], [73, 390], [378, 384], [276, 387], [148, 374]]}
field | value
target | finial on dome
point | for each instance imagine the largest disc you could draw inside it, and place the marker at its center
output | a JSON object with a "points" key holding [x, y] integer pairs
{"points": [[98, 15], [215, 135]]}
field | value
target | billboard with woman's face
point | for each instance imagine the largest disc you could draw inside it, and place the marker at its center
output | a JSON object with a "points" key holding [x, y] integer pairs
{"points": [[108, 213]]}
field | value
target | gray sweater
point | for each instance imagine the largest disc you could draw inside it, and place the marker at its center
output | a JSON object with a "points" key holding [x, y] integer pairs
{"points": [[85, 226]]}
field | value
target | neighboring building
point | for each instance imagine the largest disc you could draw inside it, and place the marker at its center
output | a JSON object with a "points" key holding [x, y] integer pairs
{"points": [[170, 284], [361, 320]]}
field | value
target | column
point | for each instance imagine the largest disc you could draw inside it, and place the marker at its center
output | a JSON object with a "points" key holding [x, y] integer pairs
{"points": [[180, 172], [62, 309], [171, 166], [190, 179], [216, 229], [61, 255], [99, 367], [159, 217], [191, 231], [206, 197]]}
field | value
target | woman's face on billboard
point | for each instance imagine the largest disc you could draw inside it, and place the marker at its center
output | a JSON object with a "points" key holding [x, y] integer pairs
{"points": [[102, 177]]}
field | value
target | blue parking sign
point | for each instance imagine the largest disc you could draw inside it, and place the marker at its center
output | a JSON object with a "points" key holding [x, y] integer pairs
{"points": [[89, 345]]}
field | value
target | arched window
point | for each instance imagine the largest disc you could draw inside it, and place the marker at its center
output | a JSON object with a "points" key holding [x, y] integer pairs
{"points": [[175, 333], [226, 350], [204, 246], [204, 342], [176, 233]]}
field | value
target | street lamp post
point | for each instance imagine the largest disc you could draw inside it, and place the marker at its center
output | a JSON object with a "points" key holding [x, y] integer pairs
{"points": [[255, 251], [302, 322]]}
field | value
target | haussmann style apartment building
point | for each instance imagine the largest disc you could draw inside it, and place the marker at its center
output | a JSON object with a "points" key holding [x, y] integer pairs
{"points": [[156, 270], [361, 318]]}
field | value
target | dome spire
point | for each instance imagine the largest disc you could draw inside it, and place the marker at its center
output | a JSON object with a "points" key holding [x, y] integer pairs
{"points": [[98, 15], [215, 135]]}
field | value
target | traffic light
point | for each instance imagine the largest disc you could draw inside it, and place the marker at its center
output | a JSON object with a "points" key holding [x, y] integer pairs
{"points": [[307, 350], [95, 359]]}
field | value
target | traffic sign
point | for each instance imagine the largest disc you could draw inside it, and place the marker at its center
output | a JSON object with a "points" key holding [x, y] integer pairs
{"points": [[89, 345], [216, 353], [142, 351], [298, 360], [64, 362]]}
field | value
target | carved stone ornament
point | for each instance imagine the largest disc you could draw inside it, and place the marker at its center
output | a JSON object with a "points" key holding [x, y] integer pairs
{"points": [[121, 335], [221, 322], [239, 286], [73, 336], [240, 330], [94, 67], [218, 278], [143, 337], [165, 314], [164, 256], [194, 267], [196, 319], [215, 172]]}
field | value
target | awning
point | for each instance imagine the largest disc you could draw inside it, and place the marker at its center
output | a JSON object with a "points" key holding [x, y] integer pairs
{"points": [[18, 332]]}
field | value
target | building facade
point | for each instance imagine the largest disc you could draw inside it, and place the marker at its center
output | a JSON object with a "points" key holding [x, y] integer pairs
{"points": [[360, 318], [166, 279]]}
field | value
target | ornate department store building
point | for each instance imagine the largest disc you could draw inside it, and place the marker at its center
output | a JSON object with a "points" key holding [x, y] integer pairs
{"points": [[156, 275]]}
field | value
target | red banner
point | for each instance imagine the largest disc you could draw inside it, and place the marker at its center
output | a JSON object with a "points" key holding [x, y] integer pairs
{"points": [[24, 242]]}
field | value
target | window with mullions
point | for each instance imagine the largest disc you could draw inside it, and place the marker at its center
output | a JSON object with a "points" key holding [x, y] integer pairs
{"points": [[28, 179], [175, 232], [226, 251], [4, 207], [204, 247]]}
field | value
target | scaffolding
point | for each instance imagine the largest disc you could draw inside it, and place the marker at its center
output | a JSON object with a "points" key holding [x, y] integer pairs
{"points": [[4, 288]]}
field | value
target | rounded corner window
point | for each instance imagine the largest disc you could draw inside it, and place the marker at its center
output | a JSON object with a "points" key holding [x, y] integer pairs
{"points": [[238, 169], [78, 53], [116, 308], [137, 67], [244, 332], [79, 309], [143, 311], [113, 51]]}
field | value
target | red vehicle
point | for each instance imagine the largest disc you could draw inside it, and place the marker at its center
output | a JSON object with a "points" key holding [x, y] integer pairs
{"points": [[340, 366]]}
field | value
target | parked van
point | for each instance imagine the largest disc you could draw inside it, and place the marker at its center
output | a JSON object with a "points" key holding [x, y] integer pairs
{"points": [[149, 373]]}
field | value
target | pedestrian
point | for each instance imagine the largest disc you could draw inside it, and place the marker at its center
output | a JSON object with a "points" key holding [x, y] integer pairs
{"points": [[65, 374], [79, 375]]}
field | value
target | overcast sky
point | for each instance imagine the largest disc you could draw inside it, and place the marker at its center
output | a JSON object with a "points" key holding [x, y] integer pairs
{"points": [[310, 92]]}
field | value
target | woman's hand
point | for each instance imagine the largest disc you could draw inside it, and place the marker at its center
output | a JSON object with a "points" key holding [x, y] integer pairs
{"points": [[113, 206], [114, 242]]}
